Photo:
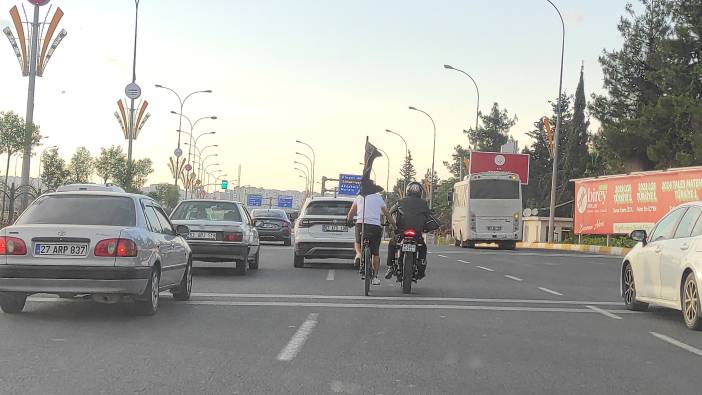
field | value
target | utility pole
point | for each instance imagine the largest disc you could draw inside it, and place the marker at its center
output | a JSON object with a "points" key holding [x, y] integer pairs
{"points": [[133, 91]]}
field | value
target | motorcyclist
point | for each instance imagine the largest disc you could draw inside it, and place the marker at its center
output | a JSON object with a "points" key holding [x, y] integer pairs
{"points": [[411, 212]]}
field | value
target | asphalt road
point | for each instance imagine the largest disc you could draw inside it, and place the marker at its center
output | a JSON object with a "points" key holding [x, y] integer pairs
{"points": [[483, 321]]}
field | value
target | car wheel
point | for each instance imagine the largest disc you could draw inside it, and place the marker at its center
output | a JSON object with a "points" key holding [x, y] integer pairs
{"points": [[12, 302], [253, 265], [287, 242], [183, 291], [147, 304], [298, 261], [691, 303], [629, 288]]}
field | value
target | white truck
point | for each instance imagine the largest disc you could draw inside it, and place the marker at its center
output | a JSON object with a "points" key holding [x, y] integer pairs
{"points": [[486, 208]]}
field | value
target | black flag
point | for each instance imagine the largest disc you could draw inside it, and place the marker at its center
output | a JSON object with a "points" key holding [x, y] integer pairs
{"points": [[368, 187]]}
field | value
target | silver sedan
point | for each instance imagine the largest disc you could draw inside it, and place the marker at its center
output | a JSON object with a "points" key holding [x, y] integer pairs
{"points": [[112, 246], [220, 231]]}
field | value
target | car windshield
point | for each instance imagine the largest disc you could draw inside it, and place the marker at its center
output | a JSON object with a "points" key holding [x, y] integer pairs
{"points": [[81, 210], [328, 207], [494, 189], [262, 213], [207, 211]]}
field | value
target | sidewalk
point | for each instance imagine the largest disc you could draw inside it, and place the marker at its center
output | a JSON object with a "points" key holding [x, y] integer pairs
{"points": [[617, 251]]}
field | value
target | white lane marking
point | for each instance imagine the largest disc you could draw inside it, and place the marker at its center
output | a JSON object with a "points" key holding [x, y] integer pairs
{"points": [[330, 275], [485, 268], [513, 277], [352, 297], [550, 291], [298, 339], [678, 343], [443, 256], [462, 261], [396, 306], [487, 252], [604, 312]]}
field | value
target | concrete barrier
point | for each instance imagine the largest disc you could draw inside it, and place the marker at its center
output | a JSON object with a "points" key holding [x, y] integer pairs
{"points": [[617, 251]]}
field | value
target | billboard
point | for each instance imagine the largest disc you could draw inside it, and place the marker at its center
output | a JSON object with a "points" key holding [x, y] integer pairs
{"points": [[623, 203], [349, 184], [518, 164]]}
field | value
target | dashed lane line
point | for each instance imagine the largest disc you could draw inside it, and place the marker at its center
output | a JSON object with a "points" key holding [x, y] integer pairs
{"points": [[443, 256], [462, 261], [330, 275], [678, 343], [513, 277], [552, 292], [299, 338], [604, 312], [485, 268]]}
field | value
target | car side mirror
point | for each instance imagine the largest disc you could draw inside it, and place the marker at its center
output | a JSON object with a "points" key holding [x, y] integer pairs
{"points": [[182, 230], [639, 235], [450, 197]]}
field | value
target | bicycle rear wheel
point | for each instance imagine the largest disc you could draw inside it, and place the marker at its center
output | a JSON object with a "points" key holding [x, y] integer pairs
{"points": [[367, 268]]}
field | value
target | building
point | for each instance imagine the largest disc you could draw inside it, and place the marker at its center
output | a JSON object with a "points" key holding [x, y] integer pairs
{"points": [[535, 229]]}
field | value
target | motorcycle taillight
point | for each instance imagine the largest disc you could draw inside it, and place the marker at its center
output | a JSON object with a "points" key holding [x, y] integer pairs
{"points": [[410, 233]]}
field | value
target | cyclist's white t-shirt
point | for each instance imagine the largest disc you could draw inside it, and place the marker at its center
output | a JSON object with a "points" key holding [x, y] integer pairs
{"points": [[374, 209]]}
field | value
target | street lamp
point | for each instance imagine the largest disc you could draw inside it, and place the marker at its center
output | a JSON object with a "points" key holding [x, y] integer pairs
{"points": [[433, 154], [554, 171], [180, 122], [406, 150], [314, 161], [477, 106], [202, 162], [387, 182], [192, 127], [205, 173], [307, 178], [308, 158]]}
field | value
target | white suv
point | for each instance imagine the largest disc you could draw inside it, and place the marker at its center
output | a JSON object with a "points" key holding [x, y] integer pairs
{"points": [[321, 230]]}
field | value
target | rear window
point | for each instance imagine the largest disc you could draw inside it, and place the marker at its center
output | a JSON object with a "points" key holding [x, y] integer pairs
{"points": [[81, 210], [207, 211], [259, 213], [494, 189], [328, 207]]}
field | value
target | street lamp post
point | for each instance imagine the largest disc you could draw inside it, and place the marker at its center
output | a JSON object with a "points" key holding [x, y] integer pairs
{"points": [[477, 106], [309, 159], [202, 160], [309, 173], [192, 127], [387, 181], [180, 124], [406, 150], [314, 162], [554, 171], [307, 178], [433, 154]]}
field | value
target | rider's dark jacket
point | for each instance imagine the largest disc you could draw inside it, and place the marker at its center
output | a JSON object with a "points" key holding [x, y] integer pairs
{"points": [[411, 213]]}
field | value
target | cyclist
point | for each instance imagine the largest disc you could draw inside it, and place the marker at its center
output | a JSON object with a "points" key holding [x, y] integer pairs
{"points": [[374, 208], [411, 212]]}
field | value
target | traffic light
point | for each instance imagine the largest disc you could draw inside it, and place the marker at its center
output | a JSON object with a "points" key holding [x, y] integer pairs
{"points": [[225, 184], [549, 135]]}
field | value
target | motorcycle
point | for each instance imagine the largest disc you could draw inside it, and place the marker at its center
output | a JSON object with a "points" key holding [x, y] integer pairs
{"points": [[407, 258]]}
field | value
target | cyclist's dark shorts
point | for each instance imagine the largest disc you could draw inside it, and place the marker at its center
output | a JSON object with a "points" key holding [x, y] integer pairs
{"points": [[374, 234]]}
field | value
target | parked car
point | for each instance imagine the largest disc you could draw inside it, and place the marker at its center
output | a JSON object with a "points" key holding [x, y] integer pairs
{"points": [[272, 225], [665, 267], [113, 246], [321, 230], [220, 231]]}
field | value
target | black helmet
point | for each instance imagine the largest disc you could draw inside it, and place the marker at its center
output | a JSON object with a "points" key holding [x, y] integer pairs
{"points": [[414, 189]]}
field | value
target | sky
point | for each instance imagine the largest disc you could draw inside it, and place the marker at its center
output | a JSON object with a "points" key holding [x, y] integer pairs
{"points": [[326, 72]]}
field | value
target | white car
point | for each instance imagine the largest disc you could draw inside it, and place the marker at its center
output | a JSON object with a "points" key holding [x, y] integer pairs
{"points": [[321, 230], [665, 267], [112, 246]]}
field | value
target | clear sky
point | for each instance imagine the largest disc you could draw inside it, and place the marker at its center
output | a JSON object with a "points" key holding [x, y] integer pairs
{"points": [[326, 72]]}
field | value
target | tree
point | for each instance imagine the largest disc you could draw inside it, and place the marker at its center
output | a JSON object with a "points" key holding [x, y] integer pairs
{"points": [[107, 165], [141, 169], [81, 167], [407, 175], [12, 133], [54, 172], [494, 131], [630, 81], [457, 166], [167, 195]]}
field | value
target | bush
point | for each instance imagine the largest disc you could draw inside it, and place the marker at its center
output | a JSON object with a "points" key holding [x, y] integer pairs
{"points": [[596, 240]]}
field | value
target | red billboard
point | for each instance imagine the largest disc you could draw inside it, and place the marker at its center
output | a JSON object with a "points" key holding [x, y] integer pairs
{"points": [[622, 203], [518, 164]]}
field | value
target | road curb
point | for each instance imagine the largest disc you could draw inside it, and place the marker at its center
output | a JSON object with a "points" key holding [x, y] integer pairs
{"points": [[617, 251]]}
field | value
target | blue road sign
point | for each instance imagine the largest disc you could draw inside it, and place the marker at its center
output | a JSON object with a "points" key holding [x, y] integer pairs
{"points": [[349, 184], [285, 201], [254, 200]]}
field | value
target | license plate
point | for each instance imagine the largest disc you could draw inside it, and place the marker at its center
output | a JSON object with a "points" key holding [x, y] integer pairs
{"points": [[409, 248], [335, 228], [267, 226], [494, 228], [62, 249], [202, 235]]}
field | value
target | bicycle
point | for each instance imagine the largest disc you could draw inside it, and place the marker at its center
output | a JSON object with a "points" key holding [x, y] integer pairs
{"points": [[365, 270]]}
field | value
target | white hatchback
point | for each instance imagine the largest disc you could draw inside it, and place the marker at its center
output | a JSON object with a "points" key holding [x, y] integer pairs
{"points": [[665, 267], [321, 230]]}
